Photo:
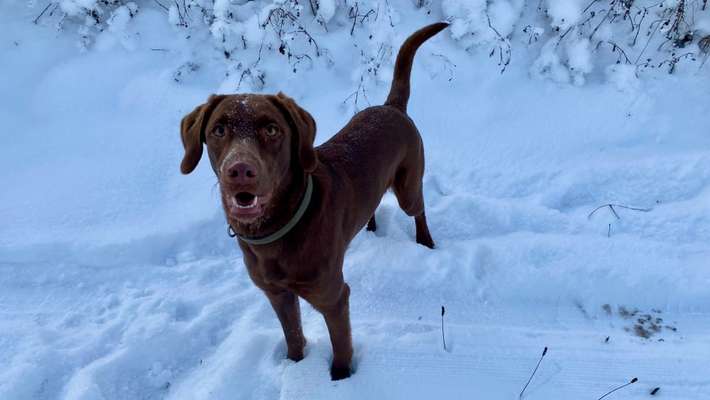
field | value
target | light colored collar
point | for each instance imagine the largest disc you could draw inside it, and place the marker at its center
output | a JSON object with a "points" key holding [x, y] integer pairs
{"points": [[289, 225]]}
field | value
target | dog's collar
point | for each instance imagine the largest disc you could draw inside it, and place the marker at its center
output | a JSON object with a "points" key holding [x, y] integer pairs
{"points": [[289, 225]]}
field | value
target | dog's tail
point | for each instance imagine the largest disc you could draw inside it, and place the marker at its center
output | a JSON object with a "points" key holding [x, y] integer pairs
{"points": [[399, 92]]}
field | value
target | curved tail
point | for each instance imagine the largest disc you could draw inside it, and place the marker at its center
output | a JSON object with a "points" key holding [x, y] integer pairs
{"points": [[399, 92]]}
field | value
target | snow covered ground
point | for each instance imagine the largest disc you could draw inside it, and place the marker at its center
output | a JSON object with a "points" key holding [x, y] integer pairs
{"points": [[118, 280]]}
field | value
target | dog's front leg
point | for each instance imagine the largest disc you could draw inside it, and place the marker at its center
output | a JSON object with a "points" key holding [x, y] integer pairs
{"points": [[337, 318], [285, 304]]}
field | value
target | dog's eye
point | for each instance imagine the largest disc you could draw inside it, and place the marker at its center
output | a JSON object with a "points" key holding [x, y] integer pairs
{"points": [[218, 131], [272, 130]]}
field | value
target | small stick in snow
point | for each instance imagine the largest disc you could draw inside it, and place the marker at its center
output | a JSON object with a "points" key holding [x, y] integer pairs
{"points": [[162, 6], [618, 388], [613, 211], [504, 55], [544, 352], [36, 20], [443, 339], [655, 390]]}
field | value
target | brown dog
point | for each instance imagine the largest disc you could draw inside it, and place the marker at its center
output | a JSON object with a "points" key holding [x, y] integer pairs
{"points": [[294, 208]]}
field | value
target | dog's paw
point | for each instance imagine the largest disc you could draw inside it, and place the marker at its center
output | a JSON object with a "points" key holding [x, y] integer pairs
{"points": [[295, 356], [372, 224], [425, 240], [338, 373], [296, 350]]}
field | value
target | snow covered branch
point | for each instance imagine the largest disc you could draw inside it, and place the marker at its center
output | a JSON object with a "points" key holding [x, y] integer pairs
{"points": [[562, 40]]}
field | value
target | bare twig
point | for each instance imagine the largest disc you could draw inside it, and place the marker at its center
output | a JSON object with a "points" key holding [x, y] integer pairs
{"points": [[504, 61], [679, 18], [449, 66], [650, 36], [356, 93], [562, 36], [636, 36], [618, 388], [443, 338], [615, 47], [673, 61], [248, 71], [161, 5], [544, 352], [278, 25], [589, 6], [354, 13], [183, 21], [389, 13], [36, 20], [608, 13], [613, 211]]}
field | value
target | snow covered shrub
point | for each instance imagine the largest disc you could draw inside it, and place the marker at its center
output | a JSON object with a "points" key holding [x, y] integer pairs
{"points": [[264, 37], [372, 25], [568, 41], [250, 31], [490, 23], [646, 34], [93, 16]]}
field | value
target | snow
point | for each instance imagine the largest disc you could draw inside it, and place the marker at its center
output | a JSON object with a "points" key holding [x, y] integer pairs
{"points": [[703, 25], [326, 10], [549, 64], [118, 279], [564, 13], [76, 7], [469, 19], [623, 77], [580, 59]]}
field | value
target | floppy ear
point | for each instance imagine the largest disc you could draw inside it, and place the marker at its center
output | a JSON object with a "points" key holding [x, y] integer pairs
{"points": [[192, 131], [304, 127]]}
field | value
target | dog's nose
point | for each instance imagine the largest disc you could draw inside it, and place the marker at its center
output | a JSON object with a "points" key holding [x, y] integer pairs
{"points": [[241, 173]]}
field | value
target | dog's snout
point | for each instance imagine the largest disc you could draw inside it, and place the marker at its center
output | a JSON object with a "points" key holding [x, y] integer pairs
{"points": [[241, 172]]}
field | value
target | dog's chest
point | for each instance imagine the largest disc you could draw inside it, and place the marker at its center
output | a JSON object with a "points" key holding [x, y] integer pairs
{"points": [[276, 273]]}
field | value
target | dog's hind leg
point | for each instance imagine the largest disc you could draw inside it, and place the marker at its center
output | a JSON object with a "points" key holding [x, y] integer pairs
{"points": [[408, 189], [423, 235]]}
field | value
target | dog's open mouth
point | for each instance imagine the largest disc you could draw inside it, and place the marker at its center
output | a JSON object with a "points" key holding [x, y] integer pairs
{"points": [[246, 200], [246, 206]]}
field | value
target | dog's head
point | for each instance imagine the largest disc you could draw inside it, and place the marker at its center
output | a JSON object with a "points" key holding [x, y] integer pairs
{"points": [[257, 146]]}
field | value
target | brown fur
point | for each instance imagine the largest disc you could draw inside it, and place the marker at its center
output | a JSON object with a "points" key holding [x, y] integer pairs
{"points": [[262, 145]]}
